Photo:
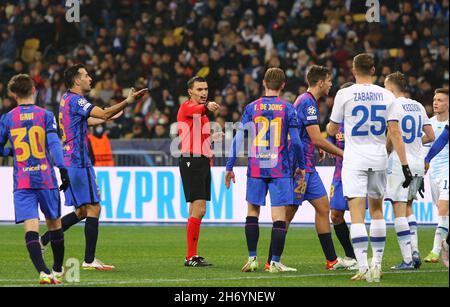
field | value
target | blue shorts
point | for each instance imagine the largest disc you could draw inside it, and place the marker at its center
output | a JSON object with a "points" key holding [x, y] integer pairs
{"points": [[27, 203], [83, 189], [280, 190], [337, 199], [311, 188]]}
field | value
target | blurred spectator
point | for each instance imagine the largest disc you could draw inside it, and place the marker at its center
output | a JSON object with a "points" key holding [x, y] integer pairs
{"points": [[161, 44]]}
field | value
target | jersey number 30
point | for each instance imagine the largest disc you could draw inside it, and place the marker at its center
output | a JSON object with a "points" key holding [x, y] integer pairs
{"points": [[374, 118], [36, 146]]}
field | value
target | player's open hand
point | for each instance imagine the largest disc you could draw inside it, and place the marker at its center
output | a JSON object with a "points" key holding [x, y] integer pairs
{"points": [[212, 106], [133, 95], [228, 177], [64, 179], [408, 176]]}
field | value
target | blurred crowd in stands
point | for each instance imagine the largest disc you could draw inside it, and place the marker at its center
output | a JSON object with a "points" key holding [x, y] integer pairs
{"points": [[161, 44]]}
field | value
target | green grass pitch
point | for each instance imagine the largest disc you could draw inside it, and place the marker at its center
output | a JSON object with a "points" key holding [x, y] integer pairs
{"points": [[153, 256]]}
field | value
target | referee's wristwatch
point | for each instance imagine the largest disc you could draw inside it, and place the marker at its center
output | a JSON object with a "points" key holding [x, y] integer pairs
{"points": [[206, 104]]}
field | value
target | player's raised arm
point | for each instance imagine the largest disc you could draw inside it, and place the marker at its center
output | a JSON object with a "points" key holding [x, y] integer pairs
{"points": [[437, 147], [106, 114], [96, 121]]}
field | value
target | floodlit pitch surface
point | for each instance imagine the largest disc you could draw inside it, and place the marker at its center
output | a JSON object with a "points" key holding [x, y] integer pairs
{"points": [[153, 256]]}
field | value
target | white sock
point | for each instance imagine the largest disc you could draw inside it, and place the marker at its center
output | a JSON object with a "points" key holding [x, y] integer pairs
{"points": [[414, 235], [404, 238], [377, 240], [360, 241], [440, 234]]}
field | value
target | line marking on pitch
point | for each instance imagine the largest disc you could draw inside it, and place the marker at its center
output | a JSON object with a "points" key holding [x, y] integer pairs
{"points": [[155, 281]]}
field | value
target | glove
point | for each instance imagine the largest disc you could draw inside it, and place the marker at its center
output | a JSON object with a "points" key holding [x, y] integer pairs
{"points": [[65, 179], [422, 189], [408, 176]]}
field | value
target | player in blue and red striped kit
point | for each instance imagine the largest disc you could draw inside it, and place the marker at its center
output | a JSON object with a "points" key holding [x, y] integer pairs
{"points": [[75, 114], [32, 133], [338, 203], [312, 188], [268, 120]]}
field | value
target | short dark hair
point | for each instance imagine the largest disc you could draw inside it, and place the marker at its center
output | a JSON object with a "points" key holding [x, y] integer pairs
{"points": [[21, 85], [441, 91], [275, 78], [364, 63], [347, 84], [192, 81], [317, 73], [71, 73], [399, 80]]}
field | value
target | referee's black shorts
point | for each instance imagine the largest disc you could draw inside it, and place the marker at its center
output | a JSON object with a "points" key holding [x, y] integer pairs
{"points": [[196, 176]]}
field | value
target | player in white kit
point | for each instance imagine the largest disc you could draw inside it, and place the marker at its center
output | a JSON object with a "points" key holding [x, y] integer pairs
{"points": [[367, 110], [439, 174], [414, 123]]}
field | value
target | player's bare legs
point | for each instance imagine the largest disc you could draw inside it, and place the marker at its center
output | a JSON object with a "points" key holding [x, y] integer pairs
{"points": [[322, 218], [403, 235], [441, 232]]}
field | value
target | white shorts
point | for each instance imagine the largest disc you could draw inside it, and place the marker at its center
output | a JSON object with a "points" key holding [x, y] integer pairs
{"points": [[395, 191], [358, 183], [439, 188]]}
